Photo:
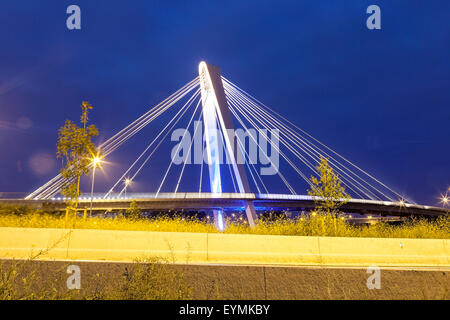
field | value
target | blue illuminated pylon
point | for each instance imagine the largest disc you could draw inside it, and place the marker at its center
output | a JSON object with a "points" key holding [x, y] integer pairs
{"points": [[216, 112]]}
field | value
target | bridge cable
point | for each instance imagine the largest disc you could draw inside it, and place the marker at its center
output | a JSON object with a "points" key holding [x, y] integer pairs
{"points": [[264, 121], [322, 144], [249, 164], [53, 186], [128, 135], [298, 155], [271, 142], [188, 156], [201, 168], [265, 154], [337, 167], [344, 167], [224, 150], [178, 149], [182, 109], [161, 140]]}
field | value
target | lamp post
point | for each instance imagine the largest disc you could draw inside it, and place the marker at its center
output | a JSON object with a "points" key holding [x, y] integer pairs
{"points": [[95, 161]]}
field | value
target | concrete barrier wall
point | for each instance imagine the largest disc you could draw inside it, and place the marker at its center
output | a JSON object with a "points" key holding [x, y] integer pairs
{"points": [[85, 244]]}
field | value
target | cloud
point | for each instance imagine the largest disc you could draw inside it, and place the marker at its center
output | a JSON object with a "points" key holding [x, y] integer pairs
{"points": [[42, 163]]}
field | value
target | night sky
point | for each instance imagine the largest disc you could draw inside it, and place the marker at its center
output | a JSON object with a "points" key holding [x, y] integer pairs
{"points": [[379, 97]]}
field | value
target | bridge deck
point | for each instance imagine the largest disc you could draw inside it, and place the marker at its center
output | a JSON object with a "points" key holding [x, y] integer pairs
{"points": [[205, 201]]}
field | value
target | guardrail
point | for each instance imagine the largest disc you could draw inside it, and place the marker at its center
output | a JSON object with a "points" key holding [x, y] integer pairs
{"points": [[85, 244]]}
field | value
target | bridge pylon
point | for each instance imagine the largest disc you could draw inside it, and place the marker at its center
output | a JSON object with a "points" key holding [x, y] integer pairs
{"points": [[217, 116]]}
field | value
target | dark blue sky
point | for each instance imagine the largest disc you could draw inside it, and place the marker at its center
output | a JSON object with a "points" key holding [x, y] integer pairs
{"points": [[380, 98]]}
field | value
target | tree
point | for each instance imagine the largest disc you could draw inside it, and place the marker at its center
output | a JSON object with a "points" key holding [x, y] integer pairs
{"points": [[134, 212], [76, 151], [327, 191]]}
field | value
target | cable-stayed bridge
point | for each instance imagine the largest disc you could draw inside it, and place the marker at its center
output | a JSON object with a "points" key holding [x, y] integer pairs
{"points": [[224, 119]]}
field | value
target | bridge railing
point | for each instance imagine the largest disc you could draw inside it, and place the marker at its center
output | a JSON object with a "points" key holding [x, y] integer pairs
{"points": [[99, 197]]}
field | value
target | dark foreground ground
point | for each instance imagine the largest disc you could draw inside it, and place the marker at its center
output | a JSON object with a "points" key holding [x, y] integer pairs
{"points": [[217, 282]]}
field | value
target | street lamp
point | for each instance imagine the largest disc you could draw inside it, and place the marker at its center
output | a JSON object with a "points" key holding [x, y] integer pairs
{"points": [[445, 200], [96, 161]]}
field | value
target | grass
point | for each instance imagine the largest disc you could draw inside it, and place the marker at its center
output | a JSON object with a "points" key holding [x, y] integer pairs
{"points": [[318, 225], [328, 226], [145, 279], [150, 279]]}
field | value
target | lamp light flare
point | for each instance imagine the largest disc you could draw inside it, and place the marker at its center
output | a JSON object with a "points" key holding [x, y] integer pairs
{"points": [[96, 161], [444, 200], [127, 182]]}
